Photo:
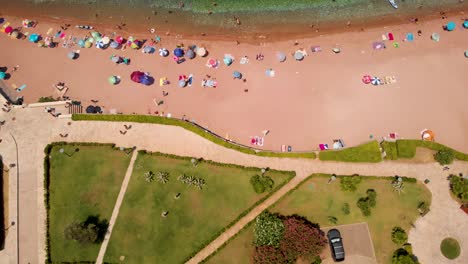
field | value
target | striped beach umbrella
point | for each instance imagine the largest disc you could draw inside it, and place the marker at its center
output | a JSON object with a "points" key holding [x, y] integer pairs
{"points": [[100, 45], [163, 52], [212, 63], [375, 81]]}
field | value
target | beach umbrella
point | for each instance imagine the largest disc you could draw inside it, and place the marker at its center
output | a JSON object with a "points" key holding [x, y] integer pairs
{"points": [[41, 43], [336, 50], [375, 81], [465, 23], [90, 109], [2, 75], [14, 34], [136, 76], [366, 79], [8, 29], [34, 37], [119, 39], [148, 49], [201, 52], [114, 45], [163, 52], [146, 79], [435, 37], [88, 44], [135, 44], [115, 59], [182, 83], [97, 109], [213, 63], [96, 35], [466, 53], [105, 40], [280, 56], [113, 79], [2, 20], [72, 55], [190, 54], [179, 52], [237, 75], [299, 55], [227, 60], [100, 45], [81, 43], [451, 26], [270, 72]]}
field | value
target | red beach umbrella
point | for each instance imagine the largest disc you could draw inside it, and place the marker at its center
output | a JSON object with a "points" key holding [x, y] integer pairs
{"points": [[136, 76], [366, 79], [119, 39], [8, 30]]}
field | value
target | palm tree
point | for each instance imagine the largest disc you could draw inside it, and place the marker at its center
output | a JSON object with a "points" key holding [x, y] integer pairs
{"points": [[149, 176], [163, 177]]}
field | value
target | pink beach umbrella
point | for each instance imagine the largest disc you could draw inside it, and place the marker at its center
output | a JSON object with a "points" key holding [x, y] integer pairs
{"points": [[366, 79], [8, 30], [213, 63], [119, 39]]}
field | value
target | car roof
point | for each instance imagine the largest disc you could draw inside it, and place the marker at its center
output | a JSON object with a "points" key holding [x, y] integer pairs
{"points": [[332, 233]]}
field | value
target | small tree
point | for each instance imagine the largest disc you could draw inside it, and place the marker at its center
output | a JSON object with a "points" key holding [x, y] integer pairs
{"points": [[350, 183], [397, 184], [82, 233], [401, 256], [459, 187], [148, 176], [268, 230], [163, 177], [363, 204], [444, 156], [345, 209], [399, 235], [372, 195], [262, 183]]}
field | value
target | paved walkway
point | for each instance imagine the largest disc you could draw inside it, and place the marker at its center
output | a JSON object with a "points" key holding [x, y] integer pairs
{"points": [[34, 129], [115, 211]]}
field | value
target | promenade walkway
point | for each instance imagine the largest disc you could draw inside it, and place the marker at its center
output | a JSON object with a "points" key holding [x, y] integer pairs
{"points": [[34, 129]]}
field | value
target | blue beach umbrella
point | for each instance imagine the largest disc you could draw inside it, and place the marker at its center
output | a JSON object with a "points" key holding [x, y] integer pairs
{"points": [[227, 60], [148, 49], [237, 75], [451, 26], [465, 23], [179, 52], [114, 45], [190, 54], [81, 43], [100, 45], [34, 38], [146, 80], [2, 75]]}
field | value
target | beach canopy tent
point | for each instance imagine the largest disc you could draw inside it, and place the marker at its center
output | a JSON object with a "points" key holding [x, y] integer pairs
{"points": [[163, 52], [237, 75], [34, 38], [149, 49], [179, 52], [2, 75], [280, 56], [8, 29], [299, 55], [378, 45], [435, 36], [72, 55], [366, 79], [136, 76], [451, 26], [114, 45], [201, 51], [465, 23], [190, 54], [228, 59], [113, 80], [182, 83]]}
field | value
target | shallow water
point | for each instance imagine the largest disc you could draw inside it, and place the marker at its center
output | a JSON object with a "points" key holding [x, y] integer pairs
{"points": [[260, 17]]}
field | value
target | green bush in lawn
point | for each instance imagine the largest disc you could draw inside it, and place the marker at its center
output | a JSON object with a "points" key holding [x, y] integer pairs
{"points": [[459, 187], [345, 209], [81, 233], [350, 183], [262, 183], [399, 235], [444, 157], [269, 230], [46, 99], [401, 256], [366, 203]]}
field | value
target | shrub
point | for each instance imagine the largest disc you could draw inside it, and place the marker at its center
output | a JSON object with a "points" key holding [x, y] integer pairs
{"points": [[459, 187], [46, 99], [444, 156], [372, 195], [350, 183], [268, 255], [399, 235], [401, 256], [82, 233], [332, 219], [269, 230], [345, 209], [366, 203], [261, 183]]}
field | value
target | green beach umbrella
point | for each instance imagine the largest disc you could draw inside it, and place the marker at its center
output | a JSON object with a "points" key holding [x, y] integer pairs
{"points": [[96, 35], [113, 80]]}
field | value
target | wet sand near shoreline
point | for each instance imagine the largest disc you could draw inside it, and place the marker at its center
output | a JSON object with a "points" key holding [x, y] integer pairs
{"points": [[306, 103]]}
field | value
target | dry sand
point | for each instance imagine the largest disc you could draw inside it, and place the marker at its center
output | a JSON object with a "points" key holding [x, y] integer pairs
{"points": [[306, 103]]}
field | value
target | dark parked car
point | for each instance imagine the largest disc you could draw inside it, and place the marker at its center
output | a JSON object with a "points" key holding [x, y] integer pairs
{"points": [[336, 245]]}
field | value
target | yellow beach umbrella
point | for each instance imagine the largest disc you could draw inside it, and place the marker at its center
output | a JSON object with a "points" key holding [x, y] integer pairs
{"points": [[87, 44], [41, 43]]}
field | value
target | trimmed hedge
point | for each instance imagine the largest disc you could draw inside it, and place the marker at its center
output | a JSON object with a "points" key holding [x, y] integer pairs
{"points": [[368, 152], [193, 128], [407, 148]]}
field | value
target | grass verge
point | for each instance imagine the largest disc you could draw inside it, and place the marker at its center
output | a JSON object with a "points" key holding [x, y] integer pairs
{"points": [[406, 148], [368, 152], [193, 128]]}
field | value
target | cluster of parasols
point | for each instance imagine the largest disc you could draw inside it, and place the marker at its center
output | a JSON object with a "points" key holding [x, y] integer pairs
{"points": [[374, 80]]}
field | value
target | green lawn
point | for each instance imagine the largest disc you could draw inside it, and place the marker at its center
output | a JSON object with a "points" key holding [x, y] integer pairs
{"points": [[450, 248], [368, 152], [316, 200], [407, 148], [238, 250], [85, 184], [142, 235]]}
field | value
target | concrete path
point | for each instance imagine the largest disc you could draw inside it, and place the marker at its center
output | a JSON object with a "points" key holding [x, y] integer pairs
{"points": [[34, 129], [115, 211]]}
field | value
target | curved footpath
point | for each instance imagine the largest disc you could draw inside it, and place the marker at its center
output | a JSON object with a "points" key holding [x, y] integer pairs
{"points": [[34, 129]]}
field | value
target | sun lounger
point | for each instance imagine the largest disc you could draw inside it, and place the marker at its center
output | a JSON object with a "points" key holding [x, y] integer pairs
{"points": [[21, 88], [390, 36], [260, 141], [323, 146], [283, 148]]}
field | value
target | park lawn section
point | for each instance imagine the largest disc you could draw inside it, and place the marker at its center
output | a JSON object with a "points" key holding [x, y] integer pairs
{"points": [[368, 152], [316, 200], [237, 250], [407, 148], [85, 184], [142, 235]]}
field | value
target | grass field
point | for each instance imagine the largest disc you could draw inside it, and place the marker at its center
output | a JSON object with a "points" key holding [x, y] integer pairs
{"points": [[142, 235], [85, 184], [317, 200], [368, 152]]}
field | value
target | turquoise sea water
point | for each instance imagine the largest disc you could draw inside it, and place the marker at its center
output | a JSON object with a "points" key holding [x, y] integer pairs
{"points": [[217, 16]]}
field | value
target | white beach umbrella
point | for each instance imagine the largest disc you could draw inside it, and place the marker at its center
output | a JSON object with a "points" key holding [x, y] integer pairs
{"points": [[375, 81], [105, 40], [201, 52]]}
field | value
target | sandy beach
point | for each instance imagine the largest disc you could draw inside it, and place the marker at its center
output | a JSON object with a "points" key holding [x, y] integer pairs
{"points": [[306, 103]]}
